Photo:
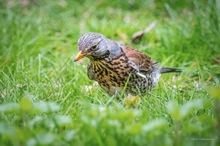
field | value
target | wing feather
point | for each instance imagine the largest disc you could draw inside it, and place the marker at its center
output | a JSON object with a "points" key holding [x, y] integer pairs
{"points": [[143, 62]]}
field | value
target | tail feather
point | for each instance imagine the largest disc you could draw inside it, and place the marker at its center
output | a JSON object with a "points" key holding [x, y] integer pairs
{"points": [[169, 70]]}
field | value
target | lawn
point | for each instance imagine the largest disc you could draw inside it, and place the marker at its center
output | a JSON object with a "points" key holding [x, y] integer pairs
{"points": [[47, 99]]}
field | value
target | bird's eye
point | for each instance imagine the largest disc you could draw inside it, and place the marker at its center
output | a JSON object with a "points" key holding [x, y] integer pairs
{"points": [[94, 47]]}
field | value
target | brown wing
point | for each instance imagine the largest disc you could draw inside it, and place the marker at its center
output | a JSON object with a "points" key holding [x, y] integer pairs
{"points": [[143, 62]]}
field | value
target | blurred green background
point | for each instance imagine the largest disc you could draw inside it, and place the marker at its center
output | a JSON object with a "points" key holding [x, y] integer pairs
{"points": [[47, 99]]}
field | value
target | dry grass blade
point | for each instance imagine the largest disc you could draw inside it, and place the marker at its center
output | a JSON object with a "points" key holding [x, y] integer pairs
{"points": [[122, 35], [136, 37]]}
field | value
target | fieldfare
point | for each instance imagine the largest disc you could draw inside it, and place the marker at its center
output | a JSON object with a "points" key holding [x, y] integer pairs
{"points": [[117, 67]]}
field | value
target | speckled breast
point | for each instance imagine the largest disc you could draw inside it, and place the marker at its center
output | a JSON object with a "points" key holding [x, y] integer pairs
{"points": [[114, 75]]}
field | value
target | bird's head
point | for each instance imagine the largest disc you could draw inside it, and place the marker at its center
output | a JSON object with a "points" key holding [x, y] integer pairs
{"points": [[95, 46]]}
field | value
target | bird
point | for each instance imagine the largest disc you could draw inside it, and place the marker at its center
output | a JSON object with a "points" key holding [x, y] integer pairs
{"points": [[119, 69]]}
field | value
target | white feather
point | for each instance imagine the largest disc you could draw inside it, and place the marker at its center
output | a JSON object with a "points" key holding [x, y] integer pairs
{"points": [[141, 75]]}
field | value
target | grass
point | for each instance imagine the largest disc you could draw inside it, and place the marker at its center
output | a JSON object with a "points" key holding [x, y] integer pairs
{"points": [[47, 99]]}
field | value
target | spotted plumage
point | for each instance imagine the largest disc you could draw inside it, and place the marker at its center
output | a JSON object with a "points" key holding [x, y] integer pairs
{"points": [[115, 66]]}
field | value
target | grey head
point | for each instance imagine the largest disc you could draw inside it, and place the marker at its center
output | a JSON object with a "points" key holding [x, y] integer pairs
{"points": [[95, 46]]}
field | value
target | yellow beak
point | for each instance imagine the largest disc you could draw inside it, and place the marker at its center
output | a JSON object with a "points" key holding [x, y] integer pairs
{"points": [[79, 56]]}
